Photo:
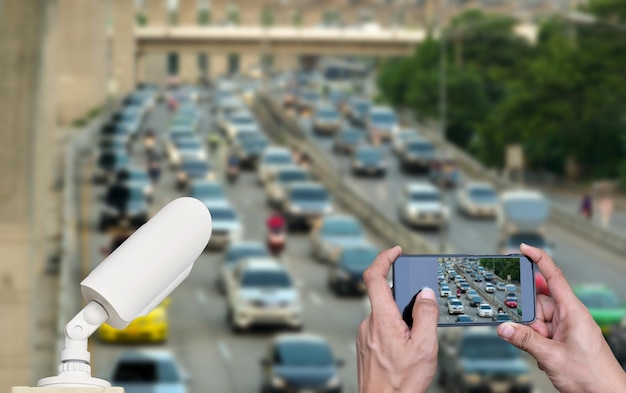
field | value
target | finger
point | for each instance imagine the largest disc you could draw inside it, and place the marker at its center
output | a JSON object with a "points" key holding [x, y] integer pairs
{"points": [[425, 315], [559, 288], [375, 278], [527, 339]]}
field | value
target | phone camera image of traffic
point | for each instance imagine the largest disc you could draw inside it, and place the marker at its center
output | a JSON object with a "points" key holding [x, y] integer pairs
{"points": [[481, 290]]}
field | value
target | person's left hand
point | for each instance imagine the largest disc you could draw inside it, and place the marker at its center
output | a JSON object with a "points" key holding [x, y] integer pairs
{"points": [[390, 356]]}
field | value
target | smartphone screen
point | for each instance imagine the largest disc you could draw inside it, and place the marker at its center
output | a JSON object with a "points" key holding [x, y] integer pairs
{"points": [[471, 289]]}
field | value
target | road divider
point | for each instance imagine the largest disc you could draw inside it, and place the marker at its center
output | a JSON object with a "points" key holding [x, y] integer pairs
{"points": [[284, 129]]}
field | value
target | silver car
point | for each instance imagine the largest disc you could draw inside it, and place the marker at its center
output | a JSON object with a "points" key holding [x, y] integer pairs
{"points": [[421, 204], [277, 186], [226, 225], [262, 293], [477, 200]]}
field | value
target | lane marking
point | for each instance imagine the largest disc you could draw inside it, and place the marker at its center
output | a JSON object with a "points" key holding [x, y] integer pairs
{"points": [[201, 296], [224, 351], [315, 298]]}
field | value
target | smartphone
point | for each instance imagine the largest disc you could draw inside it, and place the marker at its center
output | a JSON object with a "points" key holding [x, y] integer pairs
{"points": [[471, 289]]}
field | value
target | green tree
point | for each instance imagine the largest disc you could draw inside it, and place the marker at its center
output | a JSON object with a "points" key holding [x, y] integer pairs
{"points": [[267, 17], [141, 19], [204, 16]]}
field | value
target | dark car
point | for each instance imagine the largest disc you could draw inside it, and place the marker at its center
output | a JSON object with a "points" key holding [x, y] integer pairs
{"points": [[418, 155], [463, 318], [346, 277], [347, 140], [475, 359], [305, 203], [300, 362], [475, 301], [109, 163], [134, 214], [149, 371], [368, 160], [501, 317]]}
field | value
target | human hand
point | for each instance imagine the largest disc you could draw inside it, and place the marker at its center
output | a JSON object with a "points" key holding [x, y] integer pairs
{"points": [[390, 356], [564, 339]]}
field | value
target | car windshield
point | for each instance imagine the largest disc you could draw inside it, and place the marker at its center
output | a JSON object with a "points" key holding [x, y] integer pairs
{"points": [[342, 228], [421, 147], [303, 354], [362, 106], [425, 197], [237, 253], [351, 136], [278, 158], [531, 209], [486, 348], [455, 302], [485, 307], [485, 194], [358, 258], [327, 114], [195, 166], [146, 371], [254, 142], [309, 194], [368, 154], [266, 279], [189, 144], [207, 191], [138, 176], [599, 300], [292, 176], [383, 117], [136, 195], [242, 120], [223, 214], [464, 318]]}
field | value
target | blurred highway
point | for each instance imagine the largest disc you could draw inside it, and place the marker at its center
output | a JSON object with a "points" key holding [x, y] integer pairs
{"points": [[214, 357]]}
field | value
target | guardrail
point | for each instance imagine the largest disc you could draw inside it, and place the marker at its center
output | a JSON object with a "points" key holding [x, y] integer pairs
{"points": [[285, 130], [558, 215]]}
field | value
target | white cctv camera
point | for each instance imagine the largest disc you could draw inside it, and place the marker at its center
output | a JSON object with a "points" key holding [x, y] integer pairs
{"points": [[133, 280]]}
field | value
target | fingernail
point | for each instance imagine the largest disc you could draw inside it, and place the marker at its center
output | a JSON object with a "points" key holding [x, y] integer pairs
{"points": [[523, 245], [427, 293], [506, 330]]}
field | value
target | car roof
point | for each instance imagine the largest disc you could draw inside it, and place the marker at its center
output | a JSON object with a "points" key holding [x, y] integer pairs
{"points": [[276, 150], [143, 353], [421, 187], [381, 108], [303, 185], [338, 218], [219, 204], [478, 184], [522, 194], [299, 337], [262, 263]]}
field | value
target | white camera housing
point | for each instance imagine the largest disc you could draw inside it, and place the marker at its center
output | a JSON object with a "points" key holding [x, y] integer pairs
{"points": [[133, 280]]}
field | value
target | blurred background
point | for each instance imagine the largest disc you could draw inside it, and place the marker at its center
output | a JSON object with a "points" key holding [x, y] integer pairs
{"points": [[317, 133]]}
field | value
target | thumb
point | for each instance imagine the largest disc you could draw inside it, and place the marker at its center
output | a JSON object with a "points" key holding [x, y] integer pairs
{"points": [[524, 338], [425, 314]]}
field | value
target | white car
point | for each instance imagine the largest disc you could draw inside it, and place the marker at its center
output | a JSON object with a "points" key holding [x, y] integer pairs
{"points": [[227, 227], [238, 120], [262, 292], [381, 123], [444, 291], [421, 204], [455, 306], [485, 310], [477, 200], [272, 159], [489, 288], [399, 139]]}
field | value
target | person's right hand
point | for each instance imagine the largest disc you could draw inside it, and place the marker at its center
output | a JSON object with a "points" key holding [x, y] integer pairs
{"points": [[564, 339]]}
